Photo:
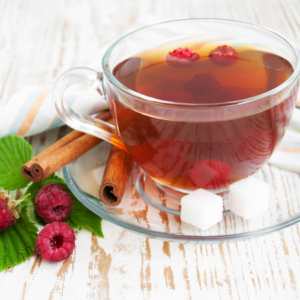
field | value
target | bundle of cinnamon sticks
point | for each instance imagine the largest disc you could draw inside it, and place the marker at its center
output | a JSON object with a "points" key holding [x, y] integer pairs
{"points": [[118, 167]]}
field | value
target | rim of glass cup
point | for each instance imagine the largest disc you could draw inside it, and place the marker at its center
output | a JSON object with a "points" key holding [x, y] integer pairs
{"points": [[123, 88]]}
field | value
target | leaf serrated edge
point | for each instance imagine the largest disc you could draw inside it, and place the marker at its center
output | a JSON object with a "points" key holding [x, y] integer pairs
{"points": [[14, 149], [32, 232]]}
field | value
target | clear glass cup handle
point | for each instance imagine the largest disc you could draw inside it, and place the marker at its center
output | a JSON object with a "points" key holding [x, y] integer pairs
{"points": [[84, 123]]}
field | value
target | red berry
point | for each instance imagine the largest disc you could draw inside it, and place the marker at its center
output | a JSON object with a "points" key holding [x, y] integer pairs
{"points": [[223, 56], [182, 57], [55, 242], [209, 174], [6, 216], [53, 203]]}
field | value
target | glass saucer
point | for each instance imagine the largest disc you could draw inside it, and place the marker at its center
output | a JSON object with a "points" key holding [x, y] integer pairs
{"points": [[84, 175]]}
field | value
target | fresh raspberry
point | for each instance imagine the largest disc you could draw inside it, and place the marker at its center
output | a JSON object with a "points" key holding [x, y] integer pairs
{"points": [[53, 203], [8, 212], [236, 93], [223, 56], [182, 57], [55, 242], [209, 174], [6, 217]]}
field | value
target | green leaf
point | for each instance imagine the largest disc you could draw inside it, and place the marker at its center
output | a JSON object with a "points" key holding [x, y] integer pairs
{"points": [[14, 153], [80, 215], [17, 242]]}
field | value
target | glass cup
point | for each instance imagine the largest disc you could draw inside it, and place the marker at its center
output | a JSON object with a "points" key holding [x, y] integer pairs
{"points": [[186, 146]]}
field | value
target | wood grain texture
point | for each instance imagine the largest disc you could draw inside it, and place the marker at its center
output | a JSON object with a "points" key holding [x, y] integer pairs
{"points": [[41, 39]]}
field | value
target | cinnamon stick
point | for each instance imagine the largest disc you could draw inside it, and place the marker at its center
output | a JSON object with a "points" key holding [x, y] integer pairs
{"points": [[118, 169], [61, 153]]}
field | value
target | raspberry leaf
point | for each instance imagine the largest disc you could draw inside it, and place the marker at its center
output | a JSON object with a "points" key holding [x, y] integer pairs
{"points": [[80, 215], [17, 242], [14, 153]]}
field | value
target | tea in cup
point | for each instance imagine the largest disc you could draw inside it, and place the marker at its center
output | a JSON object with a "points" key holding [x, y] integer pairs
{"points": [[199, 103]]}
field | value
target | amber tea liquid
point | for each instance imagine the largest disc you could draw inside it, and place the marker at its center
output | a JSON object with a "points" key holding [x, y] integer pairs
{"points": [[210, 155]]}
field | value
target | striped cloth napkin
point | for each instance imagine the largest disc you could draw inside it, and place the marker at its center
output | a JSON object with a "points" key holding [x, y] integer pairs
{"points": [[31, 111]]}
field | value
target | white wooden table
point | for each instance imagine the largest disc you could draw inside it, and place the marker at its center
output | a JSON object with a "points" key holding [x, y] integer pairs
{"points": [[41, 39]]}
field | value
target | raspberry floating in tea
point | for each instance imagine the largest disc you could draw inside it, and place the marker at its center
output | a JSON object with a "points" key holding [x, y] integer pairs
{"points": [[182, 57], [223, 56]]}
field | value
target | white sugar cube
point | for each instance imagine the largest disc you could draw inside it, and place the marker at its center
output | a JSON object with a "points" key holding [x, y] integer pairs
{"points": [[249, 197], [201, 209]]}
